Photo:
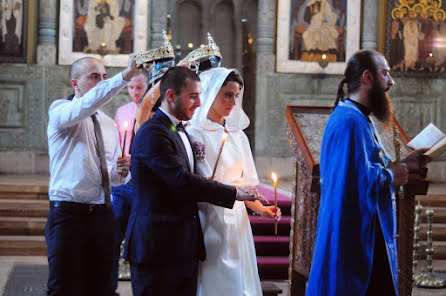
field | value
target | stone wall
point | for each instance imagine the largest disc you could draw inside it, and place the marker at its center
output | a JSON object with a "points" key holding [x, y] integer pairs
{"points": [[417, 102], [26, 91]]}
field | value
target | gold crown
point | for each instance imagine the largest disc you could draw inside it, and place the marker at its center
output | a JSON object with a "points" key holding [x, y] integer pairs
{"points": [[163, 53], [205, 52]]}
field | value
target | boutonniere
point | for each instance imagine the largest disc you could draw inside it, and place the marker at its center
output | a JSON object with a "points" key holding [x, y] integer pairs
{"points": [[200, 151]]}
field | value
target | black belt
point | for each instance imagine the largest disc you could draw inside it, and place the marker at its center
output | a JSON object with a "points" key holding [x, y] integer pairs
{"points": [[79, 207]]}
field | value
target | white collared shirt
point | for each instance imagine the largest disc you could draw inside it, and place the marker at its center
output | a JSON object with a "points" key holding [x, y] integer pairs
{"points": [[183, 137], [75, 173]]}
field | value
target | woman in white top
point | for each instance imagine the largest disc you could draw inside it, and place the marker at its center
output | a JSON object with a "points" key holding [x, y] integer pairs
{"points": [[230, 267]]}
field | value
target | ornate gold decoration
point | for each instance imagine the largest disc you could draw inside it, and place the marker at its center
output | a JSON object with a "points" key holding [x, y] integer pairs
{"points": [[163, 53], [204, 53], [399, 191]]}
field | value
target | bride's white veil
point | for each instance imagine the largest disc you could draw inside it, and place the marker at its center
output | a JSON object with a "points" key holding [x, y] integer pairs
{"points": [[211, 83]]}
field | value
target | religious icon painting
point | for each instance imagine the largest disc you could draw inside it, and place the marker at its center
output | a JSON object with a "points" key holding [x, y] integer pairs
{"points": [[13, 30], [416, 37], [111, 29], [316, 36]]}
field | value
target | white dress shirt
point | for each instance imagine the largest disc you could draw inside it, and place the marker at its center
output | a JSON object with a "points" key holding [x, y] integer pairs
{"points": [[183, 137], [75, 173]]}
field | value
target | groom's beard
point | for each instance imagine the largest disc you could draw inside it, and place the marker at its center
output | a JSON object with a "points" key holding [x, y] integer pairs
{"points": [[380, 105]]}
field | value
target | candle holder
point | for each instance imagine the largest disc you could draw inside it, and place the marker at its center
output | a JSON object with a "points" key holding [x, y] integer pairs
{"points": [[124, 266], [323, 62], [427, 279], [102, 50], [416, 241], [431, 61]]}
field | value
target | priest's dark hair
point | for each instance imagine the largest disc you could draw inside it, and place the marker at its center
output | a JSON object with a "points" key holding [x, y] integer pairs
{"points": [[175, 78], [362, 60]]}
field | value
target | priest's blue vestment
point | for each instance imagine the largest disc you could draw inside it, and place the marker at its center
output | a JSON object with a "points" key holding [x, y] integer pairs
{"points": [[356, 191]]}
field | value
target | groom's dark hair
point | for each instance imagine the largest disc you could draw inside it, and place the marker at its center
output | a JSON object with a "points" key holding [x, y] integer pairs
{"points": [[175, 78]]}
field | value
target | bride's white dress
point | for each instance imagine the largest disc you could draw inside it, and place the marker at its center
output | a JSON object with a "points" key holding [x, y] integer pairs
{"points": [[230, 267]]}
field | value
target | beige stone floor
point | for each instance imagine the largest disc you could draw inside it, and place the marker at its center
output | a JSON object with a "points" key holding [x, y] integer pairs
{"points": [[124, 288]]}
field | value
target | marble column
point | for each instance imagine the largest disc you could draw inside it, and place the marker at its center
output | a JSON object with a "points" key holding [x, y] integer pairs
{"points": [[265, 35], [370, 24], [46, 44], [158, 22], [265, 69]]}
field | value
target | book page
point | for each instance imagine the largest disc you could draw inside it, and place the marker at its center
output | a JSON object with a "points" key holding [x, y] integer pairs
{"points": [[428, 137], [437, 149]]}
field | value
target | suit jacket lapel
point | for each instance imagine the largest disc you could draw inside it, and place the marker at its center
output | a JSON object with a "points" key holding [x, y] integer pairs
{"points": [[176, 137], [193, 152]]}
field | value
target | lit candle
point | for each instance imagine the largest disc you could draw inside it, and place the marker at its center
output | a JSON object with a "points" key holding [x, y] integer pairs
{"points": [[274, 176], [225, 135], [324, 56], [126, 124]]}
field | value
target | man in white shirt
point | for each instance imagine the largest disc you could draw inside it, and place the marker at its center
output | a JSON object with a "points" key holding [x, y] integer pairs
{"points": [[85, 159]]}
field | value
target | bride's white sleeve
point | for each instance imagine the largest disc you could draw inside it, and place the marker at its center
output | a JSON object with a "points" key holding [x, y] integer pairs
{"points": [[249, 171], [199, 145]]}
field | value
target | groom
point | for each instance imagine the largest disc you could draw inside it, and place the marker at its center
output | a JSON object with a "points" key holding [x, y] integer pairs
{"points": [[164, 236]]}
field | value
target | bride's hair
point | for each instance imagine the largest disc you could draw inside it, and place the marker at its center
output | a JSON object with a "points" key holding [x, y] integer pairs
{"points": [[233, 76]]}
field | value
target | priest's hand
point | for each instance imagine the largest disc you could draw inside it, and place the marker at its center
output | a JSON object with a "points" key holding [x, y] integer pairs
{"points": [[123, 165], [416, 159], [400, 173], [249, 193]]}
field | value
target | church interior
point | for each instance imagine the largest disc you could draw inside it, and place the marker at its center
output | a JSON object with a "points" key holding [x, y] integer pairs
{"points": [[291, 55]]}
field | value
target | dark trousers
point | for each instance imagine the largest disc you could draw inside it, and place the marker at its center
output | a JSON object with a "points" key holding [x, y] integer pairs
{"points": [[122, 197], [381, 282], [80, 243], [164, 279]]}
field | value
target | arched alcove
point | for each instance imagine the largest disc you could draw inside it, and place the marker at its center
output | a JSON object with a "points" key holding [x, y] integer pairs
{"points": [[223, 28], [187, 23]]}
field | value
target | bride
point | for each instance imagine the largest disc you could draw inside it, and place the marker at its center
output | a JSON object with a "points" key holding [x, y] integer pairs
{"points": [[230, 267]]}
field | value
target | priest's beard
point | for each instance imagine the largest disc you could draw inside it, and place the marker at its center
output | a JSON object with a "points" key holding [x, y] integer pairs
{"points": [[381, 105]]}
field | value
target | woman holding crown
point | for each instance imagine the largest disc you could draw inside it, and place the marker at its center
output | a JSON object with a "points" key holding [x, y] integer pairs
{"points": [[230, 267]]}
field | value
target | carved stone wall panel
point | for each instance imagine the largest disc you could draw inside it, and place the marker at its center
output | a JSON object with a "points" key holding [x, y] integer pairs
{"points": [[23, 85], [278, 90], [12, 112], [58, 87], [414, 114]]}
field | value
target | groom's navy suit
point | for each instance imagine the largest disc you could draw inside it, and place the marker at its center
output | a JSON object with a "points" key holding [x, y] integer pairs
{"points": [[164, 236]]}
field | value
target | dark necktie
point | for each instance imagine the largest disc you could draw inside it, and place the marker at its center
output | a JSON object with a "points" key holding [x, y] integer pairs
{"points": [[101, 152], [180, 127]]}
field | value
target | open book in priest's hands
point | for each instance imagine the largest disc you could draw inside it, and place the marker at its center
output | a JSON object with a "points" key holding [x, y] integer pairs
{"points": [[431, 137]]}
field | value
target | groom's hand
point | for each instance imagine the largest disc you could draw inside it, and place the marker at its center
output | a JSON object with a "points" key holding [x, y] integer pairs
{"points": [[249, 193]]}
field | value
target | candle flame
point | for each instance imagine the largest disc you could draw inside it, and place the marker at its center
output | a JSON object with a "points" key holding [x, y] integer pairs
{"points": [[274, 176], [430, 54], [225, 135], [126, 124], [324, 56]]}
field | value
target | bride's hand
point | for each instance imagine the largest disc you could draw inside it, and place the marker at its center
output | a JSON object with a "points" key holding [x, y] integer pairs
{"points": [[271, 212]]}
